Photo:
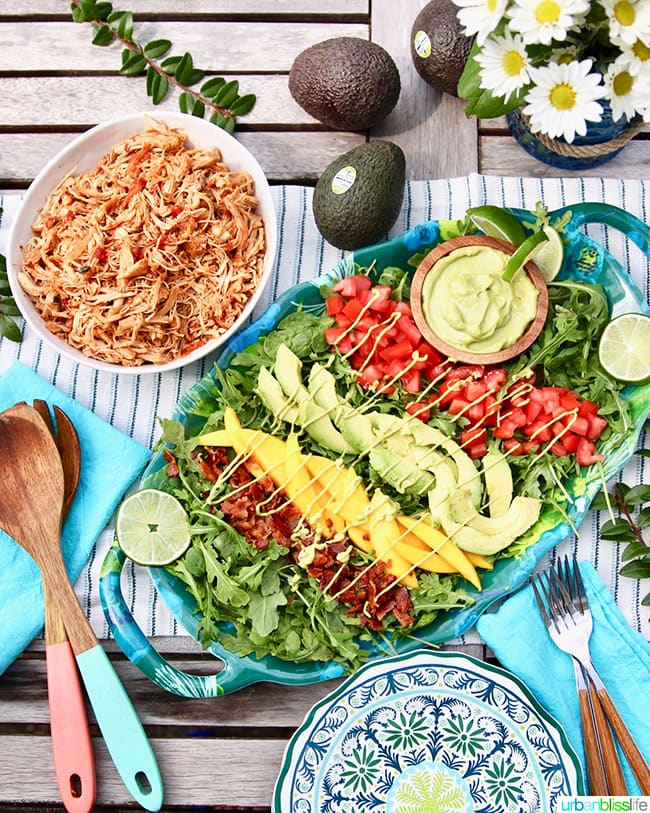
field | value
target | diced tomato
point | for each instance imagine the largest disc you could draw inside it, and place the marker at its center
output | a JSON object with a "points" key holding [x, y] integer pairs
{"points": [[399, 350], [334, 334], [596, 425], [475, 390], [518, 416], [419, 409], [464, 372], [570, 401], [505, 429], [475, 411], [353, 309], [587, 408], [412, 381], [534, 409], [370, 375], [410, 329], [559, 450], [586, 453], [342, 320], [349, 287], [335, 304], [570, 442], [495, 378], [578, 425], [380, 298], [457, 405], [539, 431]]}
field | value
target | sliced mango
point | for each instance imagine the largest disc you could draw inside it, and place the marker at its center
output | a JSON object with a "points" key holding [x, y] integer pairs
{"points": [[478, 560], [266, 450], [440, 544], [432, 562], [308, 498], [383, 533]]}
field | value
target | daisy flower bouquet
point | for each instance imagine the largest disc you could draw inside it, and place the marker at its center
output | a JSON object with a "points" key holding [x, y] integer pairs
{"points": [[564, 63]]}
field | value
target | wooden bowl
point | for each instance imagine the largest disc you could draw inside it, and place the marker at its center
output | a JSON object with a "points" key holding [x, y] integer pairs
{"points": [[460, 354]]}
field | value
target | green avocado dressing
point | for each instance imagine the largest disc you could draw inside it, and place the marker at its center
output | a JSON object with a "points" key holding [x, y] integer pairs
{"points": [[469, 305]]}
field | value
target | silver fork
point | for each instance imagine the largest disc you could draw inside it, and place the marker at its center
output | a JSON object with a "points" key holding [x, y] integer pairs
{"points": [[604, 772], [569, 576]]}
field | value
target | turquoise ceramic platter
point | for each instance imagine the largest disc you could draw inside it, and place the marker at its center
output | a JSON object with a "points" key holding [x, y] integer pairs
{"points": [[427, 731], [585, 260]]}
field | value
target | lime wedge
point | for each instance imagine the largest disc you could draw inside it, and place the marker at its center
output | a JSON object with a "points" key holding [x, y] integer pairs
{"points": [[526, 251], [550, 255], [497, 222], [152, 527], [624, 349]]}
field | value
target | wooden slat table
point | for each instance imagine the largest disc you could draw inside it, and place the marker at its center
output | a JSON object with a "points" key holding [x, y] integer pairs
{"points": [[221, 754]]}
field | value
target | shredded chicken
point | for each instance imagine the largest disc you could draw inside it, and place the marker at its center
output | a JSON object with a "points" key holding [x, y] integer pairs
{"points": [[151, 254]]}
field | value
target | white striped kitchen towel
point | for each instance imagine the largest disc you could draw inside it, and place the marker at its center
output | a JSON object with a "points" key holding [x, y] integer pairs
{"points": [[134, 403]]}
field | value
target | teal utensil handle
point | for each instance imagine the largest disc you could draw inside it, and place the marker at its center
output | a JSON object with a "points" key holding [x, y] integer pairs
{"points": [[121, 729], [236, 673]]}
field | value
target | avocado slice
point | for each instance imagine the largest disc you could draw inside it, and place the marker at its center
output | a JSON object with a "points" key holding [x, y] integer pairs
{"points": [[400, 471], [498, 483], [271, 395], [476, 533], [311, 417]]}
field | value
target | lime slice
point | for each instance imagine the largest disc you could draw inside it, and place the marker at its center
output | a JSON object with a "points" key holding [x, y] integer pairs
{"points": [[624, 349], [152, 527], [526, 251], [550, 255], [496, 222]]}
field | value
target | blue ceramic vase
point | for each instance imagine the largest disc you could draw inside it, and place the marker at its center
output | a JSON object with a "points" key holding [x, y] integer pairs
{"points": [[602, 141]]}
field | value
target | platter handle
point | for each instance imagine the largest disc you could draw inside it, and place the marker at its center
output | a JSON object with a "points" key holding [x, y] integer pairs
{"points": [[635, 230], [237, 672]]}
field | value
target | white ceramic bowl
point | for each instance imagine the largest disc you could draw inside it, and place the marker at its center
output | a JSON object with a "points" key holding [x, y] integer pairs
{"points": [[81, 155]]}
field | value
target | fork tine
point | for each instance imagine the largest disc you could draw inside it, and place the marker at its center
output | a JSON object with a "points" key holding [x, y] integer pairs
{"points": [[540, 600], [580, 592]]}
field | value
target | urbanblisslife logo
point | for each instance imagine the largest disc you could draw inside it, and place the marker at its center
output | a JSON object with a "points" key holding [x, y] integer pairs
{"points": [[583, 804]]}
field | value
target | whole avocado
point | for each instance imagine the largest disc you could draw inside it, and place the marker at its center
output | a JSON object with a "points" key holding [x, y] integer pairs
{"points": [[345, 82], [359, 195], [439, 48]]}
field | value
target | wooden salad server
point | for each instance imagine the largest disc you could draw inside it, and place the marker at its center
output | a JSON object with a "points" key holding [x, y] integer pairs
{"points": [[74, 761], [30, 513]]}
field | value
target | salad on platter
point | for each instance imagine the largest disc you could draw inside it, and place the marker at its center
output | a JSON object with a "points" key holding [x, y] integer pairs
{"points": [[347, 487]]}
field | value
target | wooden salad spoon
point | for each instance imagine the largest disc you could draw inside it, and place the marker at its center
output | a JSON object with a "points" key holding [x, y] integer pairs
{"points": [[74, 760], [30, 513]]}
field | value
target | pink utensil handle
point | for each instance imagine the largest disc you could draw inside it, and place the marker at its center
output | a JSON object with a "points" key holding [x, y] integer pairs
{"points": [[74, 762]]}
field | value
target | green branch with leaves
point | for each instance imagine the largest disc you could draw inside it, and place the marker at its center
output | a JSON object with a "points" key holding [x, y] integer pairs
{"points": [[8, 308], [216, 98], [626, 527]]}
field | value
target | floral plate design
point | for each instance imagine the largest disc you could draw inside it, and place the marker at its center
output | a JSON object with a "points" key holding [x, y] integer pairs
{"points": [[429, 732]]}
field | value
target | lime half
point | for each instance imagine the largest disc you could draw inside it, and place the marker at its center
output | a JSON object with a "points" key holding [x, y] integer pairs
{"points": [[152, 527], [550, 254], [526, 251], [497, 222], [624, 349]]}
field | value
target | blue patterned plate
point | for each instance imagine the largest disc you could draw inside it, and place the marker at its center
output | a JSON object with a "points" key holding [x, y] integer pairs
{"points": [[427, 731]]}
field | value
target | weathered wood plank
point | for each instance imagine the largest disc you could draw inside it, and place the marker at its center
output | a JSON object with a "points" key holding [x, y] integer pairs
{"points": [[431, 127], [284, 157], [23, 699], [85, 100], [231, 47], [250, 8], [196, 771], [501, 155]]}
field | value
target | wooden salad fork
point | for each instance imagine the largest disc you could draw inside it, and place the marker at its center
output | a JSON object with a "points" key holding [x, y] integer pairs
{"points": [[74, 760], [30, 513]]}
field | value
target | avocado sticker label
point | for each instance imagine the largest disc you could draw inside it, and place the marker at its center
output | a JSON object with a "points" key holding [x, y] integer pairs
{"points": [[343, 180], [422, 44]]}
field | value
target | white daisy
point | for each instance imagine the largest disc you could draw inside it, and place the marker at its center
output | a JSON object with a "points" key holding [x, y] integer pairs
{"points": [[540, 21], [629, 20], [638, 55], [480, 17], [564, 98], [627, 93], [504, 65]]}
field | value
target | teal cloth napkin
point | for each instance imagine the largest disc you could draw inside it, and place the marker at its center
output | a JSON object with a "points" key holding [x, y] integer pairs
{"points": [[110, 462], [518, 637]]}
